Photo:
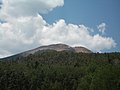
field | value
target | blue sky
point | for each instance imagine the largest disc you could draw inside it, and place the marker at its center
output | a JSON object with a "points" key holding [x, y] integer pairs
{"points": [[91, 13], [27, 24]]}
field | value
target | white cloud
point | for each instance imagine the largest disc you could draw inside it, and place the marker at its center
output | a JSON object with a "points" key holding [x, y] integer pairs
{"points": [[20, 33], [31, 32], [17, 8], [102, 28], [27, 31], [75, 35], [3, 53]]}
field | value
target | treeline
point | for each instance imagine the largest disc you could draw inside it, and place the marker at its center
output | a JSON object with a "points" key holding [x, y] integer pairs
{"points": [[51, 70]]}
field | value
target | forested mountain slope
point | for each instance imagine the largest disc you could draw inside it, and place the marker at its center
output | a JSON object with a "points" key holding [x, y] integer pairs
{"points": [[52, 70]]}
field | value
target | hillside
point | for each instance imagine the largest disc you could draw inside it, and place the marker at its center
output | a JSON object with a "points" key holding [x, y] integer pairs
{"points": [[58, 47], [54, 47], [52, 70]]}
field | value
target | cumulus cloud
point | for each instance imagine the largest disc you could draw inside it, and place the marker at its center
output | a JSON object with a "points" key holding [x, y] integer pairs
{"points": [[17, 8], [102, 28], [3, 53], [75, 35], [27, 31]]}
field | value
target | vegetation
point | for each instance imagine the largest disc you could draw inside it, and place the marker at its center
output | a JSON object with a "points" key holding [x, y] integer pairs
{"points": [[53, 70]]}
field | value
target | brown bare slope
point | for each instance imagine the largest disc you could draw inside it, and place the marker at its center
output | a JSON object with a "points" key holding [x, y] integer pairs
{"points": [[58, 47], [82, 49]]}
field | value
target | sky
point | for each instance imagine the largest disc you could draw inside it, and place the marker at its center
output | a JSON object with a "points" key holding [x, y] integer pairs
{"points": [[27, 24]]}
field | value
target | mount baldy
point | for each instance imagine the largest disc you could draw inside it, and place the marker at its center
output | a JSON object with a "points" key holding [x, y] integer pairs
{"points": [[58, 47], [55, 47]]}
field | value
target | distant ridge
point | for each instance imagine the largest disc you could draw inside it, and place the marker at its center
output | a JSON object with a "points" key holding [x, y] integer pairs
{"points": [[56, 47], [82, 49]]}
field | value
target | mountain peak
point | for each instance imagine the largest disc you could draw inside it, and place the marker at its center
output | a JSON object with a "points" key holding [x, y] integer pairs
{"points": [[79, 49], [58, 47]]}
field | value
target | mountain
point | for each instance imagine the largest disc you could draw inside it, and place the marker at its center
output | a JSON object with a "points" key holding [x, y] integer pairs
{"points": [[56, 47], [52, 70], [82, 49]]}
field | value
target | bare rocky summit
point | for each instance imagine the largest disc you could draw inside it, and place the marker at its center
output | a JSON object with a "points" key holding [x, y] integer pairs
{"points": [[82, 50], [58, 47]]}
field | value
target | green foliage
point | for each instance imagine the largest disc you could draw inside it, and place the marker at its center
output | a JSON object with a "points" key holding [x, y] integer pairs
{"points": [[53, 70]]}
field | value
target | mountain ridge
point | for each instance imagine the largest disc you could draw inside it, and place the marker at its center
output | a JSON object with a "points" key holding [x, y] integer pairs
{"points": [[57, 47]]}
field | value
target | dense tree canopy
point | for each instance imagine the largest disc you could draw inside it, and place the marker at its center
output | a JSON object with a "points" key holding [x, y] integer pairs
{"points": [[53, 70]]}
